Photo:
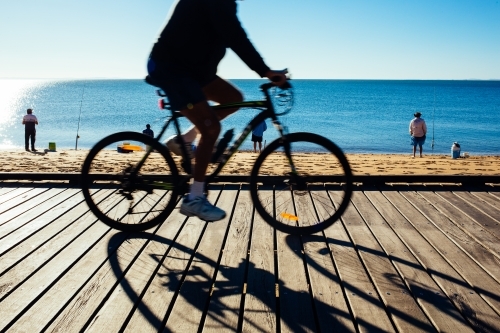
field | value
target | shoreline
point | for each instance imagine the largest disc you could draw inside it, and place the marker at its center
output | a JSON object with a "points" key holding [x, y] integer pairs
{"points": [[241, 163]]}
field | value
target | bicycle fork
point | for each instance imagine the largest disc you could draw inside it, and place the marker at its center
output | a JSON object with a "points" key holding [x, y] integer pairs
{"points": [[295, 179]]}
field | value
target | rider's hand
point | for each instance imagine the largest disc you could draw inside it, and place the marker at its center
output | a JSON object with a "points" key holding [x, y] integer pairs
{"points": [[277, 77]]}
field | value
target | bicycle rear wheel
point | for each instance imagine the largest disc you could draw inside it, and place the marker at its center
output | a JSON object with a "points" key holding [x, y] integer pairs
{"points": [[136, 200], [306, 201]]}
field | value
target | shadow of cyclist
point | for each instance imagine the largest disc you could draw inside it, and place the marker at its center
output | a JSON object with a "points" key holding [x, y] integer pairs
{"points": [[200, 284]]}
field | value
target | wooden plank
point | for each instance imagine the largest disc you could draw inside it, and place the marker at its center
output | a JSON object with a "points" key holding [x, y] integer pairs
{"points": [[487, 198], [495, 192], [161, 293], [77, 273], [19, 300], [295, 302], [439, 257], [260, 302], [37, 315], [12, 277], [19, 197], [366, 306], [463, 222], [37, 204], [6, 187], [26, 224], [21, 244], [229, 288], [14, 192], [189, 309], [478, 206], [486, 259], [377, 245], [331, 307]]}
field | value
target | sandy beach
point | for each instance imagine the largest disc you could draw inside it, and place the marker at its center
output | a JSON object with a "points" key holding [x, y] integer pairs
{"points": [[241, 163]]}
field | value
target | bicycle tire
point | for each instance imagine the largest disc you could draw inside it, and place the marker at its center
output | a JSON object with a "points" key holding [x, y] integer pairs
{"points": [[301, 203], [134, 203]]}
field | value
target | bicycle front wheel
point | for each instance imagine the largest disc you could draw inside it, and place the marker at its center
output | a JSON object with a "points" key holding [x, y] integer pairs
{"points": [[311, 197], [137, 191]]}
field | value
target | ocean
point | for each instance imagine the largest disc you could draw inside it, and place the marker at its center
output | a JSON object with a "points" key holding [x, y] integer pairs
{"points": [[360, 116]]}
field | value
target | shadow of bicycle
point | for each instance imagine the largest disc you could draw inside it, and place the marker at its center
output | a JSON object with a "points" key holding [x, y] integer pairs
{"points": [[178, 287]]}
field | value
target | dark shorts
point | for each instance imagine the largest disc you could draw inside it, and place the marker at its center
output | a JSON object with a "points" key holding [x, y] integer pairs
{"points": [[181, 88], [256, 138], [417, 141]]}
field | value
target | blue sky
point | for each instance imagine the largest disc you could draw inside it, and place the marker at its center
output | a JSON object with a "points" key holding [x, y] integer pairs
{"points": [[337, 39]]}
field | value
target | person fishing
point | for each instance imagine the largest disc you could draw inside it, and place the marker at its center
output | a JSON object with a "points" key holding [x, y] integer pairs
{"points": [[418, 130], [29, 122]]}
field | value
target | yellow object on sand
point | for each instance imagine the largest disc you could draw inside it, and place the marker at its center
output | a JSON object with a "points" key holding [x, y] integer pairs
{"points": [[128, 148]]}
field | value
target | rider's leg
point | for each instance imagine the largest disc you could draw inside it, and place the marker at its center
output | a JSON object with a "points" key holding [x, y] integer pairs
{"points": [[222, 92], [190, 134], [205, 119], [195, 204]]}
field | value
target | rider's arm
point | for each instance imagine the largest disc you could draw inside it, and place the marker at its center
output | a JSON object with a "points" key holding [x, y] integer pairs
{"points": [[228, 26]]}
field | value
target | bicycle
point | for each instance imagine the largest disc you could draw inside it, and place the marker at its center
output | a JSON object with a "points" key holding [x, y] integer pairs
{"points": [[145, 189]]}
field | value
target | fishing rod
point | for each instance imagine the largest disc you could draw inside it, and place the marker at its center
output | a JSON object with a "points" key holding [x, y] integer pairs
{"points": [[433, 112], [79, 118]]}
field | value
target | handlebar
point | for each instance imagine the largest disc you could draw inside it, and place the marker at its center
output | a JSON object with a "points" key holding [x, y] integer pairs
{"points": [[269, 85]]}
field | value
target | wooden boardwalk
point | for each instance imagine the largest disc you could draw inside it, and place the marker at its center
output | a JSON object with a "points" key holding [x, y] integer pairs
{"points": [[402, 259]]}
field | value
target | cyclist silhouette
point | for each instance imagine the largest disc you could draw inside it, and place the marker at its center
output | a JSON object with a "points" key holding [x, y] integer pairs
{"points": [[183, 63]]}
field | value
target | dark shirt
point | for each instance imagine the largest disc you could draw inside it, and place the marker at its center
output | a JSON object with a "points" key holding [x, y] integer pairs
{"points": [[149, 132], [197, 35]]}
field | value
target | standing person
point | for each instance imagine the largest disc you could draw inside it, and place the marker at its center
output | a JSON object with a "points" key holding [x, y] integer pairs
{"points": [[183, 63], [148, 131], [418, 130], [257, 134], [29, 122]]}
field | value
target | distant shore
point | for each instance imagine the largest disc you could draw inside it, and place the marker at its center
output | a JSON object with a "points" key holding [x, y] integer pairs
{"points": [[362, 164]]}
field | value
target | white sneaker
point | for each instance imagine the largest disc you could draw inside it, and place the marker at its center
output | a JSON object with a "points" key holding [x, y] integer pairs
{"points": [[201, 208]]}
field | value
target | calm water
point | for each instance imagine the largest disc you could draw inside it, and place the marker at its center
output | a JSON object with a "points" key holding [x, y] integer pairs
{"points": [[361, 116]]}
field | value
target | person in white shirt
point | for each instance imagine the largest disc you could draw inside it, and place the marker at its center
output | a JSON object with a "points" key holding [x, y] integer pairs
{"points": [[418, 130], [29, 122]]}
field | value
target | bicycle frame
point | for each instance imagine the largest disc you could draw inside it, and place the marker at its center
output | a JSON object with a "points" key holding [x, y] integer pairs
{"points": [[268, 111]]}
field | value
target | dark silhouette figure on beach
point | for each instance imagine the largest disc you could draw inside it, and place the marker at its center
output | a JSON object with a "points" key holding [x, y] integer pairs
{"points": [[29, 122], [148, 131]]}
